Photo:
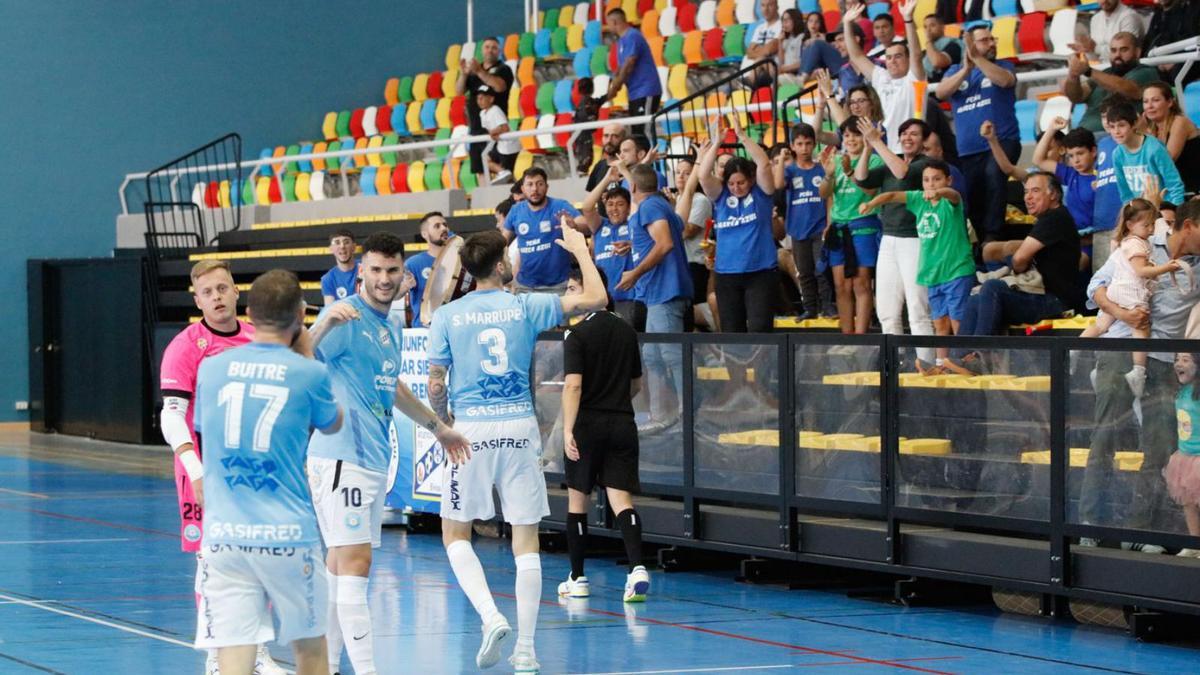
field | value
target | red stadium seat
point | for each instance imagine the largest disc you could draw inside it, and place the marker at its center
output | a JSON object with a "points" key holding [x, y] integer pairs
{"points": [[612, 59], [529, 101], [832, 18], [383, 119], [1031, 35], [898, 18], [274, 194], [434, 86], [212, 195], [761, 95], [685, 16], [399, 178], [356, 127], [458, 111], [563, 138], [644, 6], [714, 44]]}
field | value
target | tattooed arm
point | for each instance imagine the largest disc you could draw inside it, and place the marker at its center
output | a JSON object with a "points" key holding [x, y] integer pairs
{"points": [[456, 445], [439, 396]]}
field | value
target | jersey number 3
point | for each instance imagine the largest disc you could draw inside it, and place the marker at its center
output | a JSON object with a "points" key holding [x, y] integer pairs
{"points": [[233, 395], [496, 343]]}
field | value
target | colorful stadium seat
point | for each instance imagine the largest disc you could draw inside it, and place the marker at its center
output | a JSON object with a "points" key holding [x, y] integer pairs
{"points": [[663, 71], [383, 119], [677, 82], [1191, 101], [529, 142], [541, 43], [726, 13], [383, 180], [581, 13], [442, 113], [514, 102], [458, 111], [545, 99], [390, 158], [391, 91], [558, 42], [574, 38], [876, 9], [1027, 120], [673, 51], [428, 116], [744, 11], [359, 160], [212, 194], [546, 141], [442, 151], [1062, 31], [582, 63], [366, 182], [808, 6], [525, 72], [343, 124], [1055, 106], [305, 164], [329, 126], [1077, 114], [316, 186], [450, 82], [399, 121], [404, 93], [420, 87], [600, 61], [356, 123], [374, 142], [416, 176], [466, 177], [368, 121], [593, 36], [461, 150], [714, 44], [566, 16], [412, 120], [693, 47], [550, 18], [524, 163], [292, 151], [1005, 8], [706, 15], [274, 191], [512, 47], [300, 187], [433, 86], [650, 21], [529, 96], [399, 179], [279, 151], [734, 43], [454, 54], [525, 46], [1031, 36], [562, 96], [1005, 31], [433, 175], [333, 163], [685, 16]]}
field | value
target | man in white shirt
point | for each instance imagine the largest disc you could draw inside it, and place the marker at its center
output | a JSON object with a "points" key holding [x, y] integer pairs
{"points": [[764, 42], [1114, 17], [896, 81]]}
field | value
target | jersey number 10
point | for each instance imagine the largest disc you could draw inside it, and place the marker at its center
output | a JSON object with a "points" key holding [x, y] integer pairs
{"points": [[233, 395]]}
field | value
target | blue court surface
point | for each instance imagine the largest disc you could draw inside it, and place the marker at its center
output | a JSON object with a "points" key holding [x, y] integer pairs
{"points": [[92, 581]]}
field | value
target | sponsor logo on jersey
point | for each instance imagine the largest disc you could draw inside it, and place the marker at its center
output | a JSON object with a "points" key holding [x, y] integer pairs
{"points": [[191, 532], [255, 532], [353, 521], [201, 343], [249, 472], [523, 229], [508, 385], [426, 272], [341, 292], [385, 336]]}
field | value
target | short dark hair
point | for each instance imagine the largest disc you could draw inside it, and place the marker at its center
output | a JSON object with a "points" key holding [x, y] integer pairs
{"points": [[432, 214], [534, 172], [740, 165], [491, 38], [342, 233], [504, 207], [274, 299], [616, 11], [1189, 210], [850, 126], [914, 122], [804, 129], [1109, 101], [886, 18], [1167, 206], [482, 251], [619, 193], [576, 274], [1080, 138], [1052, 182], [385, 244], [938, 165], [586, 85], [1122, 111], [641, 142], [897, 44]]}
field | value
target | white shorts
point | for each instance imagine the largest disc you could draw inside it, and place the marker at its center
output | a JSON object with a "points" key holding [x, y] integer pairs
{"points": [[504, 455], [241, 585], [349, 501]]}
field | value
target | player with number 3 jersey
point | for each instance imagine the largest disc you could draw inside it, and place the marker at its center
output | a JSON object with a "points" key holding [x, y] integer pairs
{"points": [[485, 341]]}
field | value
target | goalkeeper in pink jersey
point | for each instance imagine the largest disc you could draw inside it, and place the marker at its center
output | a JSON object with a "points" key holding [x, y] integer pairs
{"points": [[216, 296]]}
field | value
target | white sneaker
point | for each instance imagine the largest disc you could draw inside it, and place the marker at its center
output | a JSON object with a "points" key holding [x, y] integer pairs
{"points": [[574, 588], [1189, 553], [524, 662], [1142, 548], [494, 635], [211, 666], [1136, 378], [637, 583], [265, 665]]}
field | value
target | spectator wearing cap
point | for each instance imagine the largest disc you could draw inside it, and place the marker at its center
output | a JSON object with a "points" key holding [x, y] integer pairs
{"points": [[983, 89], [896, 83], [473, 74], [635, 67], [503, 156], [746, 263], [1125, 77], [535, 223]]}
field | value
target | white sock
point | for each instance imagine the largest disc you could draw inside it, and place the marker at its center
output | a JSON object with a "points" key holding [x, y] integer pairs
{"points": [[470, 577], [529, 597], [333, 630], [355, 619]]}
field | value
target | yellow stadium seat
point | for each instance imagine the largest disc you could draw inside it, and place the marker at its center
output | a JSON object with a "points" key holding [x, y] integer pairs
{"points": [[575, 37], [383, 180], [738, 100], [449, 80], [262, 191], [1004, 28], [416, 176], [374, 159], [524, 162], [412, 119], [621, 100], [420, 87], [453, 56], [329, 126], [631, 10], [223, 194], [566, 16], [302, 187], [442, 114], [529, 142], [361, 160], [677, 81], [925, 446], [514, 102], [391, 94]]}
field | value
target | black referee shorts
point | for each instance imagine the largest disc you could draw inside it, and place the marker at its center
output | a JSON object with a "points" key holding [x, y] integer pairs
{"points": [[608, 452]]}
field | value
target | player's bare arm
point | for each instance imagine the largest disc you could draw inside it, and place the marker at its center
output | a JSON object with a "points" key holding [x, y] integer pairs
{"points": [[456, 445], [338, 314]]}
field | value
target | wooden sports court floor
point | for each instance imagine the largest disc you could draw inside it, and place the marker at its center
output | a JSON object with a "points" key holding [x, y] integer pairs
{"points": [[92, 581]]}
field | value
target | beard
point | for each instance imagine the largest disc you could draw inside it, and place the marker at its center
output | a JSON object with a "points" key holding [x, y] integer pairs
{"points": [[1120, 68], [611, 150]]}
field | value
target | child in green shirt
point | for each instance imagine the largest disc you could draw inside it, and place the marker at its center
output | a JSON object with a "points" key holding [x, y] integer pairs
{"points": [[946, 267], [852, 235]]}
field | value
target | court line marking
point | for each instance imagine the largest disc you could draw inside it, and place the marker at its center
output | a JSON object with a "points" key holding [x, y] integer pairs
{"points": [[12, 542], [696, 670], [19, 493], [31, 665], [91, 521]]}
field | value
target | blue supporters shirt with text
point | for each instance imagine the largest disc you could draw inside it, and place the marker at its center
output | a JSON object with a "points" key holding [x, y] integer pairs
{"points": [[643, 79], [805, 208], [1079, 195], [1107, 200], [977, 100], [610, 263], [670, 278], [543, 263], [487, 338], [339, 284], [255, 406], [742, 228], [421, 266], [363, 356]]}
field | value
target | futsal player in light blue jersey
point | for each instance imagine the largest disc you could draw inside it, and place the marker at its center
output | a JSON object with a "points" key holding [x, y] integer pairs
{"points": [[348, 471], [485, 340], [254, 408]]}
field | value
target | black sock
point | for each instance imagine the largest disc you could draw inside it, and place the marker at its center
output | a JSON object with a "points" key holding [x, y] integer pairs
{"points": [[576, 542], [631, 531]]}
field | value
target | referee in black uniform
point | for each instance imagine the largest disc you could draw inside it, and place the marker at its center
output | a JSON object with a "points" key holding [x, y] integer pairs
{"points": [[603, 367]]}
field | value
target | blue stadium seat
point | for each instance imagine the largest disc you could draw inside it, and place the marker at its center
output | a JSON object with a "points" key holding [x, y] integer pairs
{"points": [[808, 6], [306, 165], [541, 43], [1077, 115], [399, 121], [1027, 112], [1005, 8], [428, 115], [583, 62], [876, 9], [366, 182], [592, 35], [750, 28], [562, 96], [1191, 101]]}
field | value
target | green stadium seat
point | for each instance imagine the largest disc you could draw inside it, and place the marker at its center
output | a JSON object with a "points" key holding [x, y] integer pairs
{"points": [[405, 93], [466, 177], [433, 175], [343, 124], [545, 99], [334, 163], [442, 150], [291, 151], [558, 42], [600, 60], [390, 158], [289, 187], [247, 192], [735, 37], [550, 19], [673, 52], [525, 46]]}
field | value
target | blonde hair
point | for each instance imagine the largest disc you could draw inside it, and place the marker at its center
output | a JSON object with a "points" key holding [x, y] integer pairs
{"points": [[205, 266], [1131, 212]]}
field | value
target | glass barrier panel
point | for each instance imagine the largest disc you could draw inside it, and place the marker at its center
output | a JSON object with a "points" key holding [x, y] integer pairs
{"points": [[547, 384], [976, 441], [837, 396], [658, 409], [735, 399], [1135, 460]]}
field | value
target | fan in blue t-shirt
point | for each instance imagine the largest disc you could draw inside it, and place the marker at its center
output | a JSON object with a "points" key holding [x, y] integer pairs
{"points": [[635, 66], [535, 223], [338, 283]]}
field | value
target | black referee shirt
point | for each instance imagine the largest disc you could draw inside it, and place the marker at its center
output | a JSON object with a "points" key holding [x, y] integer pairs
{"points": [[603, 348]]}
